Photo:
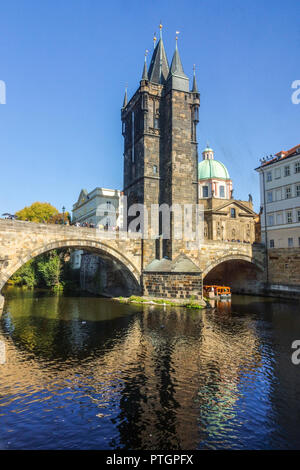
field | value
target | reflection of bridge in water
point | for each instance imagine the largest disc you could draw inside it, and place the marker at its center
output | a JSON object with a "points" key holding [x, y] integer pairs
{"points": [[22, 241], [167, 369]]}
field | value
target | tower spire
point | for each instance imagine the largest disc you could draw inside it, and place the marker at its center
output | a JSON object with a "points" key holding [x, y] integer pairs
{"points": [[125, 98], [159, 67], [177, 78], [145, 72], [195, 88], [176, 65], [160, 54]]}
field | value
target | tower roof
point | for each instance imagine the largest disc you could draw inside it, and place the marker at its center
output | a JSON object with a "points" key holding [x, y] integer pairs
{"points": [[145, 72], [176, 65], [195, 88], [125, 99], [159, 66]]}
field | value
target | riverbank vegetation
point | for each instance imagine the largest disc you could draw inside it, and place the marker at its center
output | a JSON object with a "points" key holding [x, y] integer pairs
{"points": [[191, 303], [50, 270]]}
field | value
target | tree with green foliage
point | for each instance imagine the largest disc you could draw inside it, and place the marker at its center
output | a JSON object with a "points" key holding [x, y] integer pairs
{"points": [[38, 212], [25, 276], [49, 268]]}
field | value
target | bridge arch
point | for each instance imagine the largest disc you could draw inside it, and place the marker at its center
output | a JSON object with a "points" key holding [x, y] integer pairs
{"points": [[239, 271], [232, 257], [94, 246]]}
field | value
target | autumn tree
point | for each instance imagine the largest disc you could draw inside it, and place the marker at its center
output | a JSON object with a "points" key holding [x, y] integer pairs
{"points": [[60, 218], [37, 212]]}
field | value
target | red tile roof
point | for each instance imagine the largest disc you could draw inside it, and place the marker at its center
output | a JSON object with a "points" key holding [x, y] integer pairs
{"points": [[283, 154]]}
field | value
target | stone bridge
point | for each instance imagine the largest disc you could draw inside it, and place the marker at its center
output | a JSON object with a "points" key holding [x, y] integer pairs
{"points": [[21, 241]]}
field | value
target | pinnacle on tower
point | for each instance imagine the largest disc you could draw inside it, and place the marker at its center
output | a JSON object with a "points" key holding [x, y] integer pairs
{"points": [[195, 88], [145, 72], [125, 99], [159, 67]]}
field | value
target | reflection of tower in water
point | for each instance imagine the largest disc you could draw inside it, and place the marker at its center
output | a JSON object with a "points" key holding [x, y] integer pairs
{"points": [[166, 371]]}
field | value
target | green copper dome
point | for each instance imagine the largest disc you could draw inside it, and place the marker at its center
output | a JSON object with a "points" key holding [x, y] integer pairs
{"points": [[208, 169]]}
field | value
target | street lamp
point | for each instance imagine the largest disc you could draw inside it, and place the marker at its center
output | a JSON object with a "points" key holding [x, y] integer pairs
{"points": [[63, 210]]}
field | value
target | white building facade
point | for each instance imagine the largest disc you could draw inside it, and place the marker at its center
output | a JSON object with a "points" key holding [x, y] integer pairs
{"points": [[100, 207], [280, 199]]}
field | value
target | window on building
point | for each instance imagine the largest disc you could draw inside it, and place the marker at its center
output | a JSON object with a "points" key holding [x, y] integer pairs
{"points": [[278, 194], [287, 170], [233, 213], [297, 167], [278, 219], [289, 217], [290, 242], [272, 244], [155, 169], [108, 205], [288, 192], [205, 191], [222, 191], [270, 219], [269, 196], [298, 241], [156, 123], [277, 173], [269, 176], [298, 190], [298, 216]]}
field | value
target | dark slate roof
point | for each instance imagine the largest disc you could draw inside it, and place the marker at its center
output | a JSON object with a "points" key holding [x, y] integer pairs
{"points": [[145, 72], [195, 88], [125, 99], [176, 65], [154, 69]]}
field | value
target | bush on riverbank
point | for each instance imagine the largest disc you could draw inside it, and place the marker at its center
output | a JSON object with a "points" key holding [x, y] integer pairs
{"points": [[50, 270]]}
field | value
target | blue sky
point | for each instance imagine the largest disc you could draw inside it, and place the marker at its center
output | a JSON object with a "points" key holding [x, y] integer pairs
{"points": [[65, 65]]}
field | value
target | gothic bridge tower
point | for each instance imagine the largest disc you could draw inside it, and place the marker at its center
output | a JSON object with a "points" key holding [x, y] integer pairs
{"points": [[160, 145]]}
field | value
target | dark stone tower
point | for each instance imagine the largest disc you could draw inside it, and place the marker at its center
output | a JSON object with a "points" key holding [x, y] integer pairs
{"points": [[160, 147]]}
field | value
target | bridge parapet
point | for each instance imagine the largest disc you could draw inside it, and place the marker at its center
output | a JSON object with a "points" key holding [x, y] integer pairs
{"points": [[21, 241]]}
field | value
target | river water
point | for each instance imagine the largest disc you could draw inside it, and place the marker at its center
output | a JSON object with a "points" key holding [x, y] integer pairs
{"points": [[91, 373]]}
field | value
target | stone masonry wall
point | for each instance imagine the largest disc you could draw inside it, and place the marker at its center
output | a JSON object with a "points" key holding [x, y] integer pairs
{"points": [[172, 285], [284, 266]]}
